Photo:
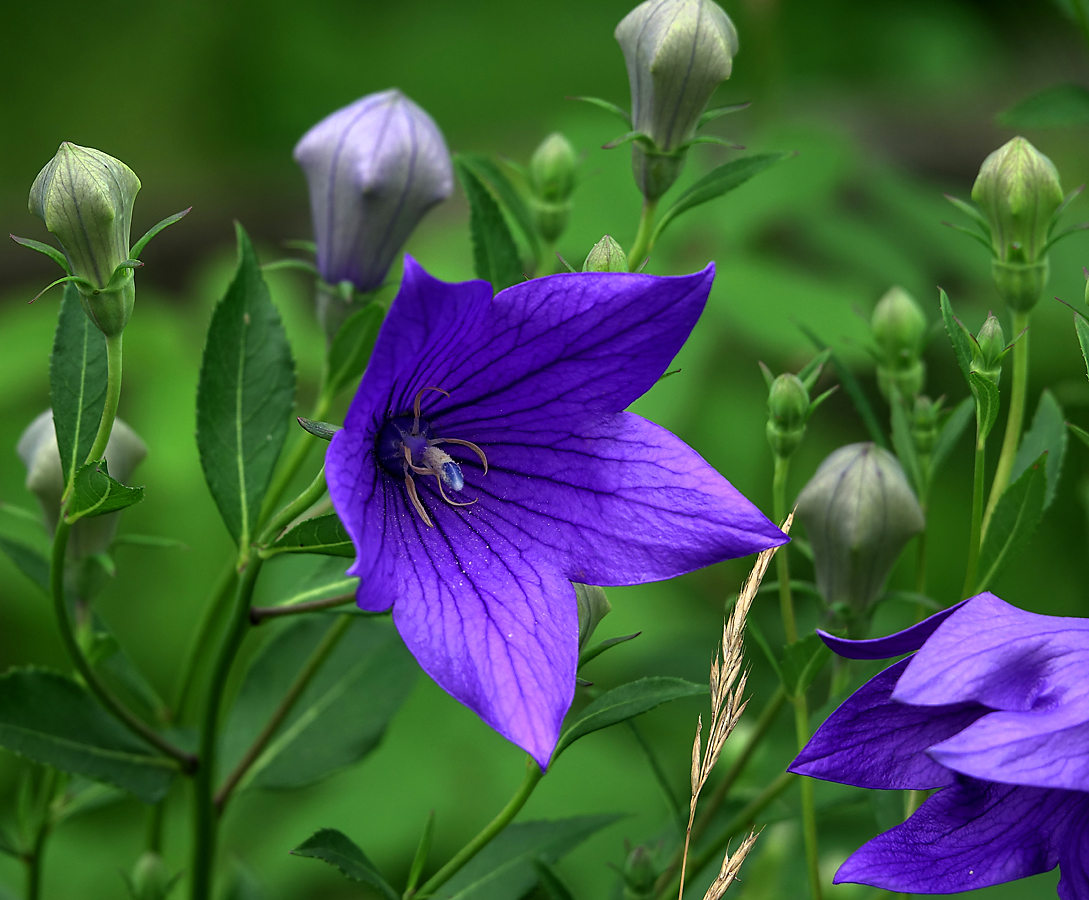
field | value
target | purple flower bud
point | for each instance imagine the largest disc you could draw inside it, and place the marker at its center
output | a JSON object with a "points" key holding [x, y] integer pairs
{"points": [[373, 169]]}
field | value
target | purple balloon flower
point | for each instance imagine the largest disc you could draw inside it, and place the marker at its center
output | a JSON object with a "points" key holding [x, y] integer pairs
{"points": [[486, 463], [993, 709], [373, 168]]}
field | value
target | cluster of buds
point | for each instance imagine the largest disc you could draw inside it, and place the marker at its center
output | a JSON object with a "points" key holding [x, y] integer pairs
{"points": [[926, 421], [899, 331], [551, 179], [789, 406]]}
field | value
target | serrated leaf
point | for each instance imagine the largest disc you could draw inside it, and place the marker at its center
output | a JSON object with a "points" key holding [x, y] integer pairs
{"points": [[337, 849], [488, 171], [341, 716], [51, 719], [625, 702], [987, 401], [1059, 106], [853, 390], [720, 180], [95, 493], [904, 444], [801, 662], [28, 561], [1081, 327], [958, 336], [951, 433], [352, 347], [504, 869], [495, 255], [1047, 435], [550, 881], [323, 534], [1013, 523], [77, 382], [245, 395]]}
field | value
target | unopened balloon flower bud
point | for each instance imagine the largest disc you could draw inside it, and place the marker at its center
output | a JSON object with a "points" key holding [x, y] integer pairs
{"points": [[40, 454], [150, 878], [640, 872], [552, 179], [373, 169], [988, 348], [899, 329], [925, 417], [788, 410], [677, 52], [1019, 192], [85, 197], [606, 256], [859, 512], [593, 606]]}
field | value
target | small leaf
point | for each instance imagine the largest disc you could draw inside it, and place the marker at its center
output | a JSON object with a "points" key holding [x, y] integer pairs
{"points": [[595, 651], [84, 796], [987, 401], [28, 561], [504, 869], [958, 335], [77, 382], [324, 534], [52, 252], [711, 114], [488, 171], [1081, 327], [423, 848], [974, 213], [753, 630], [352, 347], [150, 541], [1059, 106], [1013, 523], [1047, 435], [335, 848], [717, 182], [1080, 433], [95, 493], [49, 718], [322, 430], [801, 663], [245, 395], [138, 248], [904, 444], [951, 433], [617, 111], [550, 881], [853, 390], [624, 702], [495, 255]]}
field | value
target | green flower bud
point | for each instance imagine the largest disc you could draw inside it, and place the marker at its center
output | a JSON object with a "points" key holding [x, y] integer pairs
{"points": [[593, 606], [85, 198], [859, 512], [788, 410], [640, 872], [150, 878], [606, 256], [899, 329], [1019, 191], [925, 418], [988, 348], [552, 179]]}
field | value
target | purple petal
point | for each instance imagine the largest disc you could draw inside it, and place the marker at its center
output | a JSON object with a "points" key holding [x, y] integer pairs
{"points": [[1000, 656], [907, 641], [968, 836], [871, 741], [1074, 859]]}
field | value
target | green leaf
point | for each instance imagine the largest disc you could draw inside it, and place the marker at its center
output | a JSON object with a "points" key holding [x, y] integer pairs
{"points": [[113, 660], [1047, 435], [423, 849], [49, 718], [337, 849], [504, 869], [853, 389], [801, 663], [1014, 521], [495, 255], [83, 796], [753, 630], [341, 716], [139, 246], [597, 649], [77, 382], [95, 493], [624, 702], [904, 444], [150, 541], [488, 171], [617, 111], [951, 433], [245, 395], [717, 182], [321, 430], [987, 400], [1080, 433], [8, 845], [324, 534], [1081, 327], [244, 885], [28, 561], [352, 347], [52, 252], [550, 881], [958, 335], [1059, 106]]}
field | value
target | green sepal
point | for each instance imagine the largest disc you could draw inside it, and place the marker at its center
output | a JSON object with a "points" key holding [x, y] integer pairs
{"points": [[958, 335], [139, 246], [338, 850], [324, 534], [1052, 241], [95, 493], [1013, 522], [495, 255], [811, 371], [298, 244], [987, 400], [1067, 200], [52, 252], [352, 348], [617, 111], [710, 139], [801, 662], [974, 213], [1079, 433], [488, 171], [975, 235], [597, 649], [301, 265], [67, 279], [631, 137], [423, 849], [711, 114], [322, 430]]}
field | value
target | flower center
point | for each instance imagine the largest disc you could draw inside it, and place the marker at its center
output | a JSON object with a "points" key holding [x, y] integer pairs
{"points": [[407, 446]]}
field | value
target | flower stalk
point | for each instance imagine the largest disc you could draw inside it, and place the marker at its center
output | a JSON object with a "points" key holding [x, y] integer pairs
{"points": [[644, 237], [113, 396], [975, 536], [1014, 419]]}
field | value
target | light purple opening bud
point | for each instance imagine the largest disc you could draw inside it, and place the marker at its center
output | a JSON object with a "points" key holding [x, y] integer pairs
{"points": [[373, 169]]}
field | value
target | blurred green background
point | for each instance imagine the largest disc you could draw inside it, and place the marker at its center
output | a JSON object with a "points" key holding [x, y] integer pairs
{"points": [[887, 105]]}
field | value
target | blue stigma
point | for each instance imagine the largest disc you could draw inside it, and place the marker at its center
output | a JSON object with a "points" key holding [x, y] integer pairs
{"points": [[451, 475]]}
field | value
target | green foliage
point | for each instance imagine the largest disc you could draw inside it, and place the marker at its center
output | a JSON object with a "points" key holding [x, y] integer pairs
{"points": [[139, 246], [550, 882], [904, 444], [1014, 522], [1058, 106], [987, 401], [423, 849], [95, 493], [77, 382], [487, 171], [495, 255], [625, 702], [28, 561], [339, 718], [951, 433], [245, 396], [801, 662], [1047, 435], [323, 534], [337, 849], [852, 388], [958, 335], [352, 347], [49, 718], [597, 649]]}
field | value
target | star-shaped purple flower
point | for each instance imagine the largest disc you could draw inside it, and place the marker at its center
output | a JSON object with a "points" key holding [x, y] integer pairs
{"points": [[486, 463], [993, 709]]}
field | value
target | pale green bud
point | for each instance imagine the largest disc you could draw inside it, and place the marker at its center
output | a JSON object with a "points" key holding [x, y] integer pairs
{"points": [[988, 348], [552, 179], [151, 879], [606, 256], [640, 872], [593, 606], [788, 410], [899, 329], [859, 512], [925, 424], [85, 197]]}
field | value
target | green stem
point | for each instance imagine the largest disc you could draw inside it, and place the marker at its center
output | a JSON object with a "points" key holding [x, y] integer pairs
{"points": [[302, 681], [643, 237], [809, 808], [294, 509], [210, 618], [155, 817], [546, 259], [36, 857], [1014, 419], [1081, 14], [920, 564], [295, 457], [113, 396], [533, 776], [112, 704], [259, 614], [782, 560], [659, 773], [976, 536]]}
